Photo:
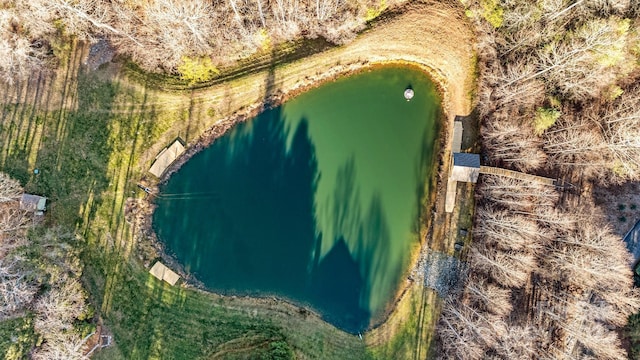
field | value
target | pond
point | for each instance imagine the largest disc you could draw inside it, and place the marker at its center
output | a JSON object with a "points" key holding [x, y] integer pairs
{"points": [[317, 201]]}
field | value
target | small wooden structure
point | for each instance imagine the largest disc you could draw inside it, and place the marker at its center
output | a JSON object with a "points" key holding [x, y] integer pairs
{"points": [[166, 157], [34, 203], [516, 175], [162, 272], [466, 167], [632, 240]]}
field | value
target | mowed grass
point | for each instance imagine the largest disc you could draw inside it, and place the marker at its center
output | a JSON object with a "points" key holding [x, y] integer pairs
{"points": [[86, 145], [413, 322], [152, 320], [92, 137]]}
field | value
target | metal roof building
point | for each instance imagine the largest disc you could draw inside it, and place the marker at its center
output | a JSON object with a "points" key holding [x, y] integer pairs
{"points": [[466, 167]]}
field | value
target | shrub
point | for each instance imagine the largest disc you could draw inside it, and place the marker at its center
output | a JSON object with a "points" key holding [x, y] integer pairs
{"points": [[195, 70], [492, 12], [545, 118]]}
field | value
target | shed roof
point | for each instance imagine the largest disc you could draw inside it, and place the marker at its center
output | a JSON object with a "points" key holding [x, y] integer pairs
{"points": [[466, 160], [632, 239], [166, 157], [31, 202], [162, 272], [457, 136]]}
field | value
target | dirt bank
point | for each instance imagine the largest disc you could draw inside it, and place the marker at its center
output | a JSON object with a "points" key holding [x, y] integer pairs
{"points": [[434, 35]]}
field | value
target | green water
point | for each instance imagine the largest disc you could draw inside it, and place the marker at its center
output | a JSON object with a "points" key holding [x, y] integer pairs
{"points": [[317, 201]]}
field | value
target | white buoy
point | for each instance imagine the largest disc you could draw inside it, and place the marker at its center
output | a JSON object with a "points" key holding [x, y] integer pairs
{"points": [[408, 94]]}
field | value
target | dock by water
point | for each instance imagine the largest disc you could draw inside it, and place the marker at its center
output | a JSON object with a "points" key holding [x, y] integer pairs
{"points": [[490, 170]]}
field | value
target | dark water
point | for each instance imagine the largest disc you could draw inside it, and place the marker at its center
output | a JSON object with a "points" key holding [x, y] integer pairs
{"points": [[316, 201]]}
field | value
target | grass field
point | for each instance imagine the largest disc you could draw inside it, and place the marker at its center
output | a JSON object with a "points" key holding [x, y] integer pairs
{"points": [[86, 153], [92, 136]]}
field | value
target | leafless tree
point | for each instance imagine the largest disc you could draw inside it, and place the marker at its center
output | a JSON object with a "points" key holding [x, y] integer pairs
{"points": [[10, 189], [492, 222], [508, 268], [56, 312], [604, 142], [519, 342], [584, 61], [576, 287], [22, 279], [488, 297], [513, 144], [466, 332], [517, 194], [19, 55], [16, 290]]}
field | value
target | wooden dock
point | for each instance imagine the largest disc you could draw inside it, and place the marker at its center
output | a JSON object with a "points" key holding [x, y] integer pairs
{"points": [[162, 272], [166, 157], [516, 175], [450, 200]]}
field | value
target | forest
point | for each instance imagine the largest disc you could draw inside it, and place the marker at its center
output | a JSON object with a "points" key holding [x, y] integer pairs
{"points": [[171, 35], [40, 273], [557, 94]]}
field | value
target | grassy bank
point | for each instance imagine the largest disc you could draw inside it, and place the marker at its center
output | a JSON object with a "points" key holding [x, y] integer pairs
{"points": [[86, 155], [92, 137]]}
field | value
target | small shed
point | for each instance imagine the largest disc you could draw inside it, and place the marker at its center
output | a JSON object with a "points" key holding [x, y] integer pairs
{"points": [[166, 157], [36, 204], [632, 240], [162, 272], [466, 167]]}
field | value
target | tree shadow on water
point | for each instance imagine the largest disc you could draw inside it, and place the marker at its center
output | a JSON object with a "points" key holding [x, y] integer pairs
{"points": [[362, 253], [241, 217], [338, 287], [250, 227]]}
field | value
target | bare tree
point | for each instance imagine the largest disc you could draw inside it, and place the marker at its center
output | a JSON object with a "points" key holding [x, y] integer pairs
{"points": [[576, 287], [508, 268], [175, 29], [50, 287], [488, 297], [494, 224], [56, 312], [16, 290], [466, 332], [513, 144], [604, 142], [584, 61], [519, 342], [10, 189], [517, 194], [19, 55]]}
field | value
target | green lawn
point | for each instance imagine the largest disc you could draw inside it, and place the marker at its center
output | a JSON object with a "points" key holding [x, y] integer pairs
{"points": [[86, 133], [86, 139]]}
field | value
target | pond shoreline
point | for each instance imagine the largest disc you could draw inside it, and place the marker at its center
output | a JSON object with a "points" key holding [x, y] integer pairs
{"points": [[277, 99], [453, 85]]}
